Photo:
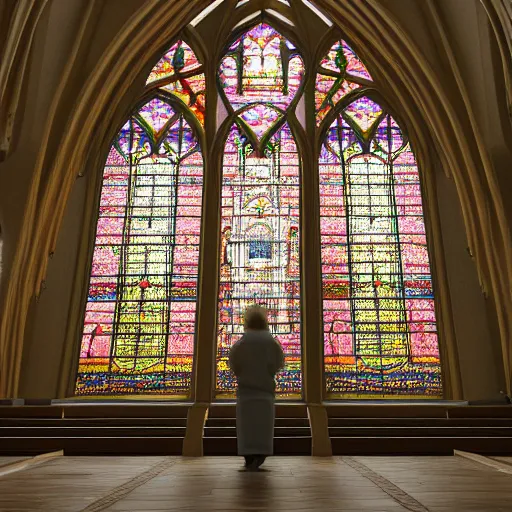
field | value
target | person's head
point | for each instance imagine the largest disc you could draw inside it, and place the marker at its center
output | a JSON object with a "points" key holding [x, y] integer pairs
{"points": [[255, 318]]}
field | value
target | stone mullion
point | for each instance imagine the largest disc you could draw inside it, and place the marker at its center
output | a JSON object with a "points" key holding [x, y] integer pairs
{"points": [[312, 330], [204, 366]]}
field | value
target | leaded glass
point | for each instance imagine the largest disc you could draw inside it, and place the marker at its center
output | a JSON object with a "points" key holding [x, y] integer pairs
{"points": [[260, 119], [138, 334], [260, 250], [380, 336], [364, 113], [258, 79], [180, 73], [261, 67], [180, 58], [340, 73]]}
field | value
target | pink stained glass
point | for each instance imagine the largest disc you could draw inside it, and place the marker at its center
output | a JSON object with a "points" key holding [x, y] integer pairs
{"points": [[260, 250], [253, 70], [388, 138], [133, 140], [260, 119], [179, 72], [354, 64], [156, 113], [329, 91], [192, 92], [380, 335], [364, 112], [179, 58], [139, 325], [342, 59]]}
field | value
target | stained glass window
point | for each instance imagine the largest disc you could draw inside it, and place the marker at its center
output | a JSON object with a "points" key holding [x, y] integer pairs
{"points": [[260, 250], [380, 336], [379, 322], [259, 78], [138, 334]]}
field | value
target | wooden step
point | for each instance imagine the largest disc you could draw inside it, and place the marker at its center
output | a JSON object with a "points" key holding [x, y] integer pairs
{"points": [[481, 411], [420, 431], [419, 445], [283, 410], [282, 446], [30, 411], [93, 422], [278, 432], [419, 422], [92, 431], [124, 410], [279, 422], [92, 445], [406, 410]]}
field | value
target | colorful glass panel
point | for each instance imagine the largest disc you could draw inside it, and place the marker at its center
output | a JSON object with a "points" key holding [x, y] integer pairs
{"points": [[138, 334], [329, 91], [261, 67], [380, 337], [260, 250], [342, 59], [260, 119], [179, 72], [338, 70], [364, 112], [180, 58], [155, 114]]}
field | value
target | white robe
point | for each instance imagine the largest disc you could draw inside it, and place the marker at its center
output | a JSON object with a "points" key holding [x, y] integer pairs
{"points": [[255, 359]]}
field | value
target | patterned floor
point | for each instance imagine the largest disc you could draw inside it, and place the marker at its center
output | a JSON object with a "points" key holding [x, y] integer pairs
{"points": [[145, 484]]}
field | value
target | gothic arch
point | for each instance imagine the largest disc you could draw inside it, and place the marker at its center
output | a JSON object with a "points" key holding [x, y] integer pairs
{"points": [[411, 82]]}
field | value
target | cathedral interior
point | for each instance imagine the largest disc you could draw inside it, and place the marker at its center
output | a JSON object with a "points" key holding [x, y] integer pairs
{"points": [[166, 164]]}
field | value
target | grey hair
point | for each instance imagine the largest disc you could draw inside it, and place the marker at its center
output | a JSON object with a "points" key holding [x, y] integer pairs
{"points": [[255, 318]]}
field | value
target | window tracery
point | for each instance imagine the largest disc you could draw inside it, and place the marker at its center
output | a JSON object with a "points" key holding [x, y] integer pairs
{"points": [[379, 321], [139, 325]]}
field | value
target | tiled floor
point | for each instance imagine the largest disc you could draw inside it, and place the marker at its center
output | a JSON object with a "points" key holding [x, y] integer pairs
{"points": [[145, 484]]}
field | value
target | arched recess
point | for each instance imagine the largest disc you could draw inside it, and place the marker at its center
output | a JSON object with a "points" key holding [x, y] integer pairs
{"points": [[380, 329], [418, 93], [260, 81], [379, 316], [138, 332]]}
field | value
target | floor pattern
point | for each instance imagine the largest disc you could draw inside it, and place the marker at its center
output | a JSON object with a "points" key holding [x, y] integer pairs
{"points": [[298, 484]]}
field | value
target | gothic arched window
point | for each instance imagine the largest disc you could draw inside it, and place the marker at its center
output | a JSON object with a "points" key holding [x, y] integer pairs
{"points": [[259, 81], [279, 117], [139, 325], [380, 336]]}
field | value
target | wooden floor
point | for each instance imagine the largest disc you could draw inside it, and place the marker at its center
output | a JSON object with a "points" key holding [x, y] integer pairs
{"points": [[145, 484]]}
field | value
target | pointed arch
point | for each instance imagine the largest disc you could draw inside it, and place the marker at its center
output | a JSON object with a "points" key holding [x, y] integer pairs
{"points": [[259, 80], [380, 333], [139, 323]]}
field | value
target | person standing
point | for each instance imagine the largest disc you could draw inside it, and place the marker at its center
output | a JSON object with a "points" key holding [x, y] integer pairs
{"points": [[255, 359]]}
